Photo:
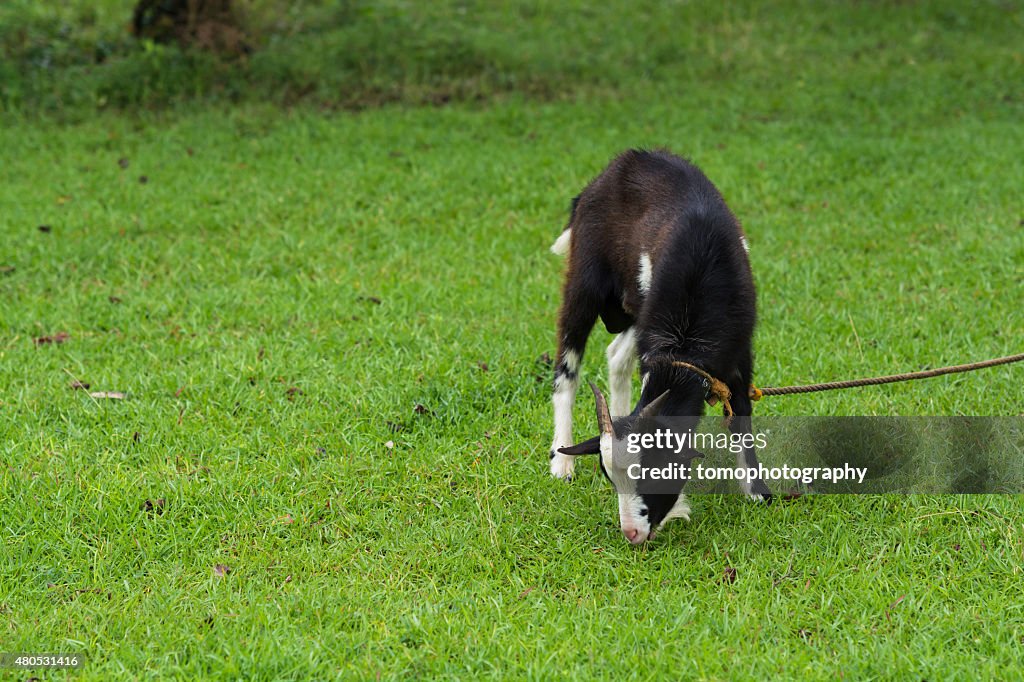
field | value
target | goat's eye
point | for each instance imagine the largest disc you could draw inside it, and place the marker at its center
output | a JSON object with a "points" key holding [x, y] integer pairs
{"points": [[643, 512]]}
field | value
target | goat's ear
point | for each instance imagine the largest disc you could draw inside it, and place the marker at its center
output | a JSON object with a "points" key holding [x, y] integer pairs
{"points": [[591, 446]]}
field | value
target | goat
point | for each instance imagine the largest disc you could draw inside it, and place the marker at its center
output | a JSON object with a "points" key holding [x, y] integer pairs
{"points": [[653, 251]]}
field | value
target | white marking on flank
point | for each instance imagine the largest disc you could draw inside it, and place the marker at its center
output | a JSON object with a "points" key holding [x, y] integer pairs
{"points": [[561, 245], [643, 277], [746, 244]]}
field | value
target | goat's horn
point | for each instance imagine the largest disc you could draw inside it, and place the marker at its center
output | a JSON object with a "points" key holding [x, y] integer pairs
{"points": [[653, 408], [604, 417]]}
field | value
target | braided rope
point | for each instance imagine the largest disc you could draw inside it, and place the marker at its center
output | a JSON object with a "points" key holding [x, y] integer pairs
{"points": [[757, 393], [718, 392]]}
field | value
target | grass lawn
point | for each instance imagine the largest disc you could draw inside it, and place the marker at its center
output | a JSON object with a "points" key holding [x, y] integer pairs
{"points": [[331, 457]]}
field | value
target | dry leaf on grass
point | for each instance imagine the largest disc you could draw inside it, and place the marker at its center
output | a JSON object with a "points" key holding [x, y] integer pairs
{"points": [[154, 506], [59, 337], [110, 395]]}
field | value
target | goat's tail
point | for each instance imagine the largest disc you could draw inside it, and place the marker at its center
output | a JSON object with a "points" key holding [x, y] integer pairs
{"points": [[561, 245]]}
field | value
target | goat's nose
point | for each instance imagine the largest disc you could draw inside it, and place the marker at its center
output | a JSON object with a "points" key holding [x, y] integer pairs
{"points": [[632, 534]]}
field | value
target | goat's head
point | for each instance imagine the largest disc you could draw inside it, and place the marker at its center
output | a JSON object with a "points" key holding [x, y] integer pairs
{"points": [[641, 512]]}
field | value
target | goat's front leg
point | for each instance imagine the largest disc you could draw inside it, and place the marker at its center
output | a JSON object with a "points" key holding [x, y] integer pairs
{"points": [[742, 408], [621, 365]]}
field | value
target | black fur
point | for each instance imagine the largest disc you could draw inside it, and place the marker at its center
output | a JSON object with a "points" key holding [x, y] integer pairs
{"points": [[701, 305]]}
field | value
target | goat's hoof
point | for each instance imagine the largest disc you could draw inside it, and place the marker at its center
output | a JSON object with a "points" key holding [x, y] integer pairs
{"points": [[562, 466], [759, 493]]}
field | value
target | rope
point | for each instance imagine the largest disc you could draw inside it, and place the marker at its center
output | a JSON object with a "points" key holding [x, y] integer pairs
{"points": [[756, 393], [718, 392]]}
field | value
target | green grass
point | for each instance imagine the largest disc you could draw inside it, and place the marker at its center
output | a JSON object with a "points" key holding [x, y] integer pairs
{"points": [[397, 258], [72, 58]]}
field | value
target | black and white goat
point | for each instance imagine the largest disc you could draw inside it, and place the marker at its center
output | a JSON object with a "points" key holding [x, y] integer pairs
{"points": [[653, 251]]}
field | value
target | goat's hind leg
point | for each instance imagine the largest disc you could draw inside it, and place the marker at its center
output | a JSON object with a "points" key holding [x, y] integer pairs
{"points": [[575, 320]]}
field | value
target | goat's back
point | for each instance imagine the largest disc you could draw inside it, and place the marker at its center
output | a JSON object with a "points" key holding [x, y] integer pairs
{"points": [[659, 231]]}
